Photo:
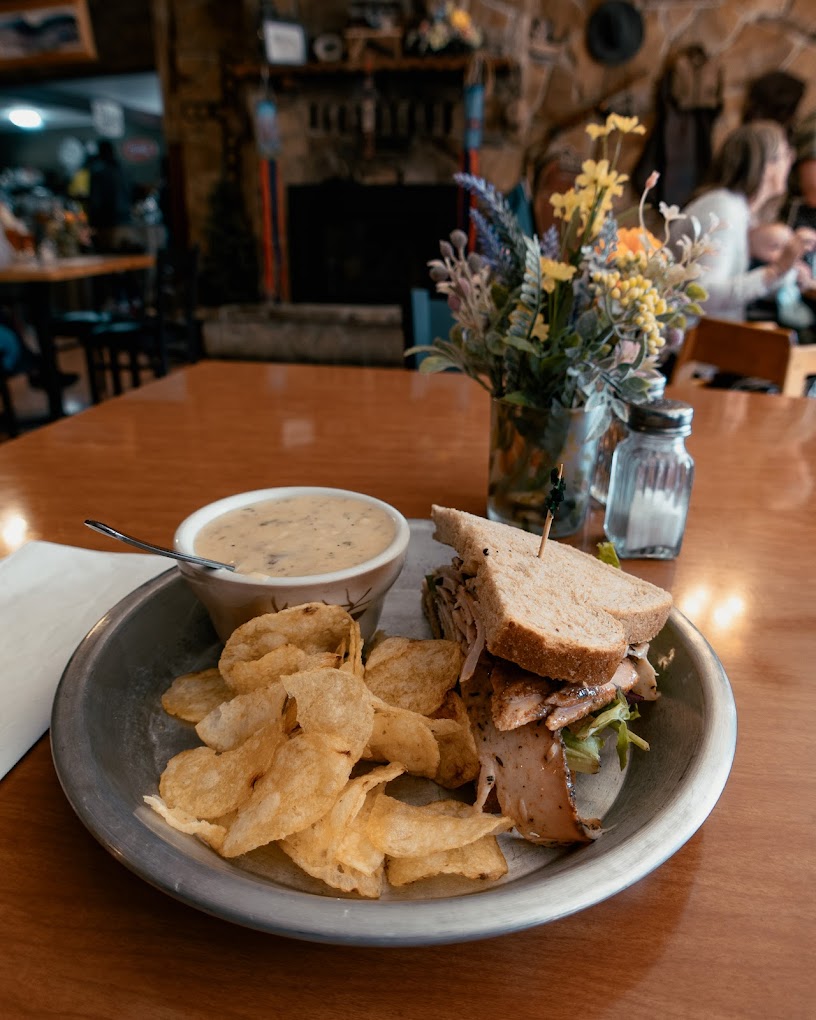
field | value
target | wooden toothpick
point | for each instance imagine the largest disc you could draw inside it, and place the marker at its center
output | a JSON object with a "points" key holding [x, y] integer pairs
{"points": [[553, 502]]}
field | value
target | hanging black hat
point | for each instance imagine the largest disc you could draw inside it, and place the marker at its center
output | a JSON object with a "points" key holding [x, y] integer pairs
{"points": [[614, 32]]}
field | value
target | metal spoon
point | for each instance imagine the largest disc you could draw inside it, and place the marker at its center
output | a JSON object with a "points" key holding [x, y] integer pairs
{"points": [[200, 561]]}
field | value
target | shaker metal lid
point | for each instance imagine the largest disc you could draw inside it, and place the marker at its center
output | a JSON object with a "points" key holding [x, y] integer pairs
{"points": [[661, 415]]}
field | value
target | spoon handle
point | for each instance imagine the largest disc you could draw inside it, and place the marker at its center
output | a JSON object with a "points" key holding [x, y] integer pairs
{"points": [[105, 529]]}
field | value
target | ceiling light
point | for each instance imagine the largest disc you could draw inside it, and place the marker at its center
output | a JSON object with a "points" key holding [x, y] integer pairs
{"points": [[24, 117]]}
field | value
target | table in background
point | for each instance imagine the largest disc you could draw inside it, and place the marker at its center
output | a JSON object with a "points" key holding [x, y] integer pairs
{"points": [[725, 928], [37, 280]]}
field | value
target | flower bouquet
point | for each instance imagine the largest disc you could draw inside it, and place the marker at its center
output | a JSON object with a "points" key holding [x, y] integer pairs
{"points": [[448, 27], [559, 329], [69, 232]]}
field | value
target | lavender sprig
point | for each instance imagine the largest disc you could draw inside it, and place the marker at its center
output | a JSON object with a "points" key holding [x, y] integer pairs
{"points": [[494, 251], [498, 212]]}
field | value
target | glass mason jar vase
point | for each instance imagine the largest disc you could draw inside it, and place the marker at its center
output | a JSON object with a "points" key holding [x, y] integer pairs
{"points": [[525, 445]]}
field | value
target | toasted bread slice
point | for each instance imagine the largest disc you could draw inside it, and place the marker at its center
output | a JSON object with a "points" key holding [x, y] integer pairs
{"points": [[565, 615]]}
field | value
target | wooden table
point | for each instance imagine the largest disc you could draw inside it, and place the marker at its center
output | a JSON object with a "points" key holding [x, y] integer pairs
{"points": [[724, 929], [37, 280]]}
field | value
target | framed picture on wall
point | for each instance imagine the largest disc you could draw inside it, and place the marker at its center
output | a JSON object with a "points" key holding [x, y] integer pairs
{"points": [[284, 42], [44, 32]]}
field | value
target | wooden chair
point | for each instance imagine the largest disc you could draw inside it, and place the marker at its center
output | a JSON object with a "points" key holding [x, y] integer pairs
{"points": [[168, 331], [749, 349]]}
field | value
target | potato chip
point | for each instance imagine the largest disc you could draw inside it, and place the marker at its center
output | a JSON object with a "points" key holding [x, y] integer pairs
{"points": [[355, 849], [335, 704], [312, 629], [284, 720], [271, 666], [307, 776], [400, 735], [194, 695], [207, 784], [315, 849], [339, 876], [208, 832], [481, 859], [414, 675], [232, 722], [458, 757], [354, 654], [405, 830]]}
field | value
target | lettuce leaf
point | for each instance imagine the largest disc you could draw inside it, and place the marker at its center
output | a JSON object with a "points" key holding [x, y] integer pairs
{"points": [[583, 744], [608, 554]]}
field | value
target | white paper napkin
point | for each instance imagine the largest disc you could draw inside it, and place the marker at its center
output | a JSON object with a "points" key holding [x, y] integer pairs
{"points": [[50, 597]]}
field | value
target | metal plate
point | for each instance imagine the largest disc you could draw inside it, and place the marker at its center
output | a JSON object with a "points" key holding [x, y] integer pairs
{"points": [[111, 740]]}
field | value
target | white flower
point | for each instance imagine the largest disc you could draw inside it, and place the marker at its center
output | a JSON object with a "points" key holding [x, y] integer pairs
{"points": [[670, 212]]}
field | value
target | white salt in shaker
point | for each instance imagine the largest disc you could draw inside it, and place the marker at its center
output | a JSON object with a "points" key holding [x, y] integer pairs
{"points": [[650, 482]]}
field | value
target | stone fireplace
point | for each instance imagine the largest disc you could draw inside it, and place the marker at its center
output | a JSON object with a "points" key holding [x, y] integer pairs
{"points": [[367, 244], [360, 222], [368, 210]]}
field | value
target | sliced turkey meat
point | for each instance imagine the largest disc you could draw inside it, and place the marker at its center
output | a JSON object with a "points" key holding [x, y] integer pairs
{"points": [[527, 769], [571, 704]]}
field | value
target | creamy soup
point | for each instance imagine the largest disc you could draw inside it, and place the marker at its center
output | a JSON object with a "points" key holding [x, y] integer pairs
{"points": [[298, 536]]}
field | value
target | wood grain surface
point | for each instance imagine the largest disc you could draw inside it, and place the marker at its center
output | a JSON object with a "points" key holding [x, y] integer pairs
{"points": [[78, 267], [725, 928]]}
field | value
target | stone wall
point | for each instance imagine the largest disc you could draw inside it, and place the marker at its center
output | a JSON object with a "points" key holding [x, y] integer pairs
{"points": [[546, 87], [554, 86], [561, 82]]}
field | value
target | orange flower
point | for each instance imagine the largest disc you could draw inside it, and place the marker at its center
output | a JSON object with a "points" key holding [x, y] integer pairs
{"points": [[630, 239]]}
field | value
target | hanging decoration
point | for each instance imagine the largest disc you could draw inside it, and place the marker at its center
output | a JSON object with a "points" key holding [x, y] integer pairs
{"points": [[478, 82], [268, 141]]}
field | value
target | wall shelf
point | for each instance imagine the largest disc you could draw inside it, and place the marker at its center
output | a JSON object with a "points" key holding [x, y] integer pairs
{"points": [[374, 63]]}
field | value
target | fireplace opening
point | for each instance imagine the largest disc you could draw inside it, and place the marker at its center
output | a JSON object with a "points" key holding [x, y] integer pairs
{"points": [[367, 244]]}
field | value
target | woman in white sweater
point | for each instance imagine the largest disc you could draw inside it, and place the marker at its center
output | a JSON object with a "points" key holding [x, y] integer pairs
{"points": [[749, 171]]}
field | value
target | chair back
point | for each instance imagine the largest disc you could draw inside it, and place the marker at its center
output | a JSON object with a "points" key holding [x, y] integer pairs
{"points": [[741, 347], [177, 301], [427, 318]]}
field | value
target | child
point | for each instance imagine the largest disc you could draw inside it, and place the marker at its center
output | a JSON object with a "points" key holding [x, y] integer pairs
{"points": [[767, 242]]}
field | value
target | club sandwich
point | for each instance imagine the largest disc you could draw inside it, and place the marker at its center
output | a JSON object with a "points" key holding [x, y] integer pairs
{"points": [[555, 659]]}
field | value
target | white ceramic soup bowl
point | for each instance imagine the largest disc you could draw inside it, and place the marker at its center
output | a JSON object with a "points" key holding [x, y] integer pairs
{"points": [[232, 598]]}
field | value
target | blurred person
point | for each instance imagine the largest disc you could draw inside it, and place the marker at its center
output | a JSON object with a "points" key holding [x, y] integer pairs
{"points": [[749, 172], [17, 357], [802, 207], [109, 200], [767, 241]]}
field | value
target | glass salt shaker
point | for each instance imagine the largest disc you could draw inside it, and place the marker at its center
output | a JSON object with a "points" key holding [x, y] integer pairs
{"points": [[615, 434], [650, 482]]}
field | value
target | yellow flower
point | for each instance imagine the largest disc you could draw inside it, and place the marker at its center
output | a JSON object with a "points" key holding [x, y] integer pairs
{"points": [[601, 176], [460, 20], [615, 122], [596, 131], [626, 125], [541, 329], [564, 206], [553, 272]]}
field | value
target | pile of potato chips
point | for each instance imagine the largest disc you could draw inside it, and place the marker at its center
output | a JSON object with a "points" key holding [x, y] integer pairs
{"points": [[301, 737]]}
